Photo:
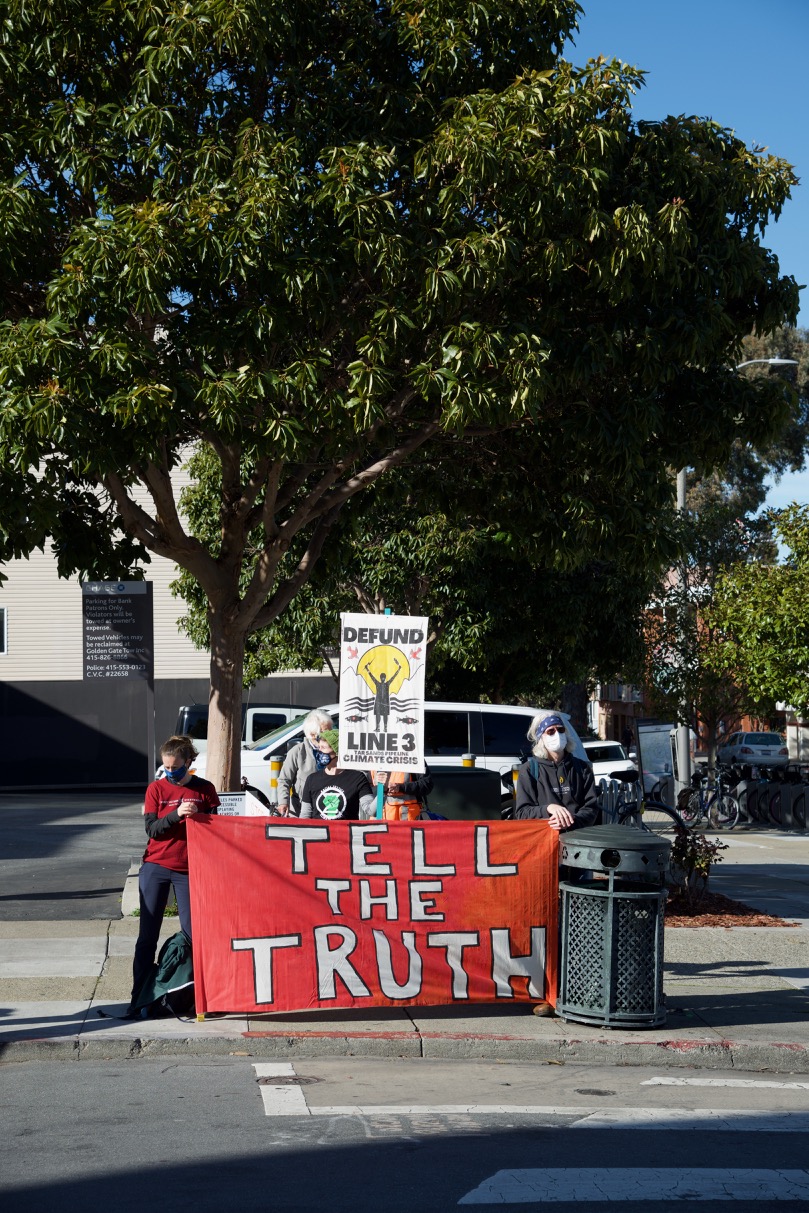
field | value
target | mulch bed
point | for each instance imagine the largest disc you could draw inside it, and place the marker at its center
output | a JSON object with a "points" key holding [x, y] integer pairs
{"points": [[716, 910]]}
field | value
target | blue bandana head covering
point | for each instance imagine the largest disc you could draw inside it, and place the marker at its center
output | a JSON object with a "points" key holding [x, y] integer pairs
{"points": [[547, 722]]}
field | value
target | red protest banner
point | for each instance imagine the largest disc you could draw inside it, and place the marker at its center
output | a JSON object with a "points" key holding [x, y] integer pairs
{"points": [[291, 915]]}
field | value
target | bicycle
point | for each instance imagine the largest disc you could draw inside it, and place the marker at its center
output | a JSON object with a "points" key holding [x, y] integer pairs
{"points": [[711, 802], [643, 812], [781, 777]]}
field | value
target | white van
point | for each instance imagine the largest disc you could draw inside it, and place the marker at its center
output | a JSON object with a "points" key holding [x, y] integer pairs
{"points": [[258, 719], [495, 733]]}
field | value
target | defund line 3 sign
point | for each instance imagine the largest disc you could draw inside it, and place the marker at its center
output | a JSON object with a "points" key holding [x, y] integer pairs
{"points": [[382, 668]]}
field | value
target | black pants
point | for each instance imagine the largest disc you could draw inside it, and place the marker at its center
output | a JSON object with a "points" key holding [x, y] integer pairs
{"points": [[154, 885]]}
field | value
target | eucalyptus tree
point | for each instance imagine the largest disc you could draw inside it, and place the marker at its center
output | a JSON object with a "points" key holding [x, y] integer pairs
{"points": [[309, 238]]}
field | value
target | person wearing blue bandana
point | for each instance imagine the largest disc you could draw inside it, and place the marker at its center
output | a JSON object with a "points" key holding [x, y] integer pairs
{"points": [[554, 785]]}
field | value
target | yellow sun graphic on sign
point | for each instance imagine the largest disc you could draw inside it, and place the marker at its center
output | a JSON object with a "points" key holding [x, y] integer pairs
{"points": [[387, 660]]}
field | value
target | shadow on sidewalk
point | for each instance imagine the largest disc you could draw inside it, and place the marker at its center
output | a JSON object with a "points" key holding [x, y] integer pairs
{"points": [[763, 1012]]}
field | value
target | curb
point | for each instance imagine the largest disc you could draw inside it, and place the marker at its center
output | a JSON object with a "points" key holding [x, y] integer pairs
{"points": [[130, 897], [709, 1054]]}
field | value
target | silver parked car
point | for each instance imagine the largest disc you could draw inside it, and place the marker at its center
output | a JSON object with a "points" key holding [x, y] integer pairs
{"points": [[753, 750]]}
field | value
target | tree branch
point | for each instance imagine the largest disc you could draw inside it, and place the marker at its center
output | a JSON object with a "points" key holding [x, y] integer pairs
{"points": [[372, 604], [392, 412], [293, 484], [189, 554], [271, 529], [362, 479], [135, 519], [158, 482], [286, 592]]}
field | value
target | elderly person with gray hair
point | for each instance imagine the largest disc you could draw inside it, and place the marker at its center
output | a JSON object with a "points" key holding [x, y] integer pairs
{"points": [[309, 756], [554, 785]]}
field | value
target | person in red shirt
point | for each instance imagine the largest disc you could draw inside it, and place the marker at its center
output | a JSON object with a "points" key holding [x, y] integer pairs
{"points": [[170, 801]]}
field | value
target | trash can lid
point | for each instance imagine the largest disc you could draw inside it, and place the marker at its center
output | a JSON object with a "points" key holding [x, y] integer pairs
{"points": [[611, 848]]}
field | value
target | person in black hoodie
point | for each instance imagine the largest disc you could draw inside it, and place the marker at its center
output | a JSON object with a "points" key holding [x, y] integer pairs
{"points": [[554, 785]]}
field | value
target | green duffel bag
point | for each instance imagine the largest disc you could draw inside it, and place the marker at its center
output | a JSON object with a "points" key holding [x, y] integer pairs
{"points": [[169, 988]]}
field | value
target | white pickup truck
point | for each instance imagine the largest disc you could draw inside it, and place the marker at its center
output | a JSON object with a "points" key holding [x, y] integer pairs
{"points": [[258, 719]]}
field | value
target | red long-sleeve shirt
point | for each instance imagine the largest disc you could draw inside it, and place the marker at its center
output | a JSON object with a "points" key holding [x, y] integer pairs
{"points": [[167, 843]]}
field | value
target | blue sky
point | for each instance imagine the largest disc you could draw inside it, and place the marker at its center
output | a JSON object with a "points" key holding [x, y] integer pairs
{"points": [[741, 62]]}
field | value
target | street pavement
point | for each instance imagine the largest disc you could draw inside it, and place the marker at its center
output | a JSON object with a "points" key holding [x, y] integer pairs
{"points": [[356, 1135], [737, 998]]}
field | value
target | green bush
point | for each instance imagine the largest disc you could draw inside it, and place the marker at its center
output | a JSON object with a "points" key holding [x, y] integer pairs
{"points": [[692, 857]]}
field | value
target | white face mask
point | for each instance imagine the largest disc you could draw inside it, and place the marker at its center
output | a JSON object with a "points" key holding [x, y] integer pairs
{"points": [[554, 742]]}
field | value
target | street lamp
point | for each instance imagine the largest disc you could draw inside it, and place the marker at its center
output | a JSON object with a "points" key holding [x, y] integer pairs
{"points": [[768, 362], [683, 732]]}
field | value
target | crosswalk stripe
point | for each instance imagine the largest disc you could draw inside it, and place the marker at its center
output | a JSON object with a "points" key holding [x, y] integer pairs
{"points": [[280, 1099], [725, 1082], [599, 1184]]}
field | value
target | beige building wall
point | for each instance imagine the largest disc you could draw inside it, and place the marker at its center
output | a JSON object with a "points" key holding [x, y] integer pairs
{"points": [[44, 624], [44, 638]]}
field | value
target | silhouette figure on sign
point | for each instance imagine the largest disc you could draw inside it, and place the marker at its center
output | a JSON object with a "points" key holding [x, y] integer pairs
{"points": [[381, 697]]}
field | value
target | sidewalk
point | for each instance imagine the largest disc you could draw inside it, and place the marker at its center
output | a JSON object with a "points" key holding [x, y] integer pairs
{"points": [[737, 998]]}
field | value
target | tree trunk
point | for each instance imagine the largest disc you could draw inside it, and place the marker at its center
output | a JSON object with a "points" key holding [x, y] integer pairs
{"points": [[574, 701], [712, 747], [223, 766]]}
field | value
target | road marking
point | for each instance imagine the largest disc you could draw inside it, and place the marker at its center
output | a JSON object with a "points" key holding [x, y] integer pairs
{"points": [[719, 1120], [446, 1109], [724, 1082], [286, 1098], [597, 1184], [669, 1119], [282, 1099]]}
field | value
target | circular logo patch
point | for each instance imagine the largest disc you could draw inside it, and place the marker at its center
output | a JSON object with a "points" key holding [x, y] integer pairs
{"points": [[331, 802]]}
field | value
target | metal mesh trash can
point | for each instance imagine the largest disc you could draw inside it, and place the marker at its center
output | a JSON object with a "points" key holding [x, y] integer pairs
{"points": [[611, 942]]}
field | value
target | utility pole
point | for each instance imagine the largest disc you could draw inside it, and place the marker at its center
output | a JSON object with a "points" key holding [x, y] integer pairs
{"points": [[683, 736]]}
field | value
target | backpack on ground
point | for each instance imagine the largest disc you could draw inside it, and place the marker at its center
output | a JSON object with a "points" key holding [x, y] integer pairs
{"points": [[169, 988]]}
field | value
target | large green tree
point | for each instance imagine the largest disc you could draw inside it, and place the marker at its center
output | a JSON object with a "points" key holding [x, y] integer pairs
{"points": [[760, 612], [310, 238], [534, 571]]}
